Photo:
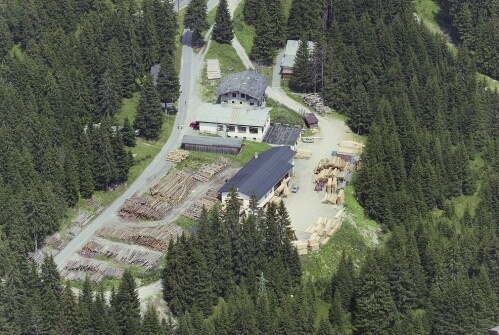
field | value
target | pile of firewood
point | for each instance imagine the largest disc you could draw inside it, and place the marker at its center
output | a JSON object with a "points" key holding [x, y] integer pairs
{"points": [[206, 173], [177, 156], [315, 101]]}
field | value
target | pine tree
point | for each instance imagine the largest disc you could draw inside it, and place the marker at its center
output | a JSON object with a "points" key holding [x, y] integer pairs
{"points": [[196, 19], [128, 133], [149, 36], [324, 328], [302, 69], [168, 84], [223, 31], [121, 158], [277, 24], [86, 180], [251, 10], [150, 322], [263, 43], [149, 118], [71, 184], [6, 42], [166, 27]]}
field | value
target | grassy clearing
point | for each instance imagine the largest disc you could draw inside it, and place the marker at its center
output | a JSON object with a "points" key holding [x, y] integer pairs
{"points": [[197, 159], [244, 32], [185, 223], [282, 114], [128, 109], [355, 236], [229, 62], [211, 16], [17, 52]]}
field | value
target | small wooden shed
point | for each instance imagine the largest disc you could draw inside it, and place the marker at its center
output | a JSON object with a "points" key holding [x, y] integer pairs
{"points": [[311, 121], [218, 145]]}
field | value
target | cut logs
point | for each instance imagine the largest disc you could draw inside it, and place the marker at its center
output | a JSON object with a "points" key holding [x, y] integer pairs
{"points": [[322, 231], [207, 172], [74, 269], [209, 200], [177, 156], [122, 254], [154, 238], [173, 188], [141, 207], [315, 101]]}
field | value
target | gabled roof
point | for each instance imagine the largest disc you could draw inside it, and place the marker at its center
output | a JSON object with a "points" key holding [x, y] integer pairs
{"points": [[234, 114], [213, 141], [248, 82], [282, 134], [155, 72], [288, 61], [262, 173]]}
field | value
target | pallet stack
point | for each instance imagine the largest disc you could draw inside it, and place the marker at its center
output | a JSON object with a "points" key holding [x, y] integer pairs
{"points": [[207, 172], [303, 154], [177, 156]]}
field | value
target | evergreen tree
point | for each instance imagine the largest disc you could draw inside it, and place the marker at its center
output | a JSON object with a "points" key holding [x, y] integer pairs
{"points": [[168, 84], [251, 10], [324, 327], [223, 31], [127, 306], [128, 134], [302, 69], [196, 19], [150, 323], [277, 24], [149, 118], [263, 43]]}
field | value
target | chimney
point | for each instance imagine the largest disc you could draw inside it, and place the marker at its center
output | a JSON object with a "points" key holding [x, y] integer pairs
{"points": [[256, 155]]}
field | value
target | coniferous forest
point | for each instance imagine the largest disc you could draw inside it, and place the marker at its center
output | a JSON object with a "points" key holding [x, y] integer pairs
{"points": [[432, 132]]}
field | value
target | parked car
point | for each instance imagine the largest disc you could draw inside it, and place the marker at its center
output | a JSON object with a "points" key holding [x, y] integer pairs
{"points": [[194, 125], [295, 188]]}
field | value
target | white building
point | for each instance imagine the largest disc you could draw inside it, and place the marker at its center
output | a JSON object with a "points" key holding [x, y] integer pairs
{"points": [[261, 176], [235, 121]]}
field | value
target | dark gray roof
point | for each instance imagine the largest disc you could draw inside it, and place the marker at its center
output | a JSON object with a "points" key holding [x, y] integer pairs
{"points": [[248, 82], [213, 141], [260, 174], [310, 118], [282, 134], [155, 72]]}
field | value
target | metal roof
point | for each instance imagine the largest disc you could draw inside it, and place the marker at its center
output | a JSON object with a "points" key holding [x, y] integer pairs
{"points": [[262, 173], [155, 72], [213, 141], [282, 134], [248, 82], [234, 114], [310, 118], [291, 49]]}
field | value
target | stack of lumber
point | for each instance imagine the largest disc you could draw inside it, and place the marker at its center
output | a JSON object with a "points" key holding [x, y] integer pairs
{"points": [[206, 173], [303, 154], [154, 238], [275, 199], [122, 254], [322, 231], [140, 207], [315, 101], [177, 156], [301, 247], [332, 184], [330, 198], [341, 197], [81, 275], [351, 145], [173, 188], [55, 242], [213, 69], [93, 265], [209, 200], [331, 162]]}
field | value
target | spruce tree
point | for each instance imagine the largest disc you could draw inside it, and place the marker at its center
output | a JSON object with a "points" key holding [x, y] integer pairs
{"points": [[302, 69], [149, 118], [324, 328], [263, 51], [277, 24], [196, 19], [223, 31], [150, 322], [128, 133], [149, 36], [251, 10], [127, 306], [168, 84]]}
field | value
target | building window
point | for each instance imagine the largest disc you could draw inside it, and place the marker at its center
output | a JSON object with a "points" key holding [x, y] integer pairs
{"points": [[254, 138], [240, 102], [243, 95], [233, 101], [244, 138], [225, 101], [253, 130], [241, 129], [231, 128], [252, 103], [220, 127], [234, 95]]}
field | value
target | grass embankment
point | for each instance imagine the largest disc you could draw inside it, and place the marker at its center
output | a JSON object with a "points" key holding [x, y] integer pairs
{"points": [[282, 114], [244, 32], [229, 62], [355, 236], [197, 159], [211, 16]]}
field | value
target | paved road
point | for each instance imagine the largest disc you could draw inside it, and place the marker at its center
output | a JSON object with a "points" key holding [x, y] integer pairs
{"points": [[276, 70], [189, 72]]}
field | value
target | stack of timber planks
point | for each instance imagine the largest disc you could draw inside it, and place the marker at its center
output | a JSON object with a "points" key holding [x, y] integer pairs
{"points": [[177, 156], [213, 69], [207, 172]]}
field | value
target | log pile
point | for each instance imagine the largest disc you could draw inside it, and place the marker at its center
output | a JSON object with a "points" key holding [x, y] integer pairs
{"points": [[332, 162], [177, 156], [207, 172], [172, 189], [323, 230], [147, 259], [140, 207], [315, 101], [209, 200], [154, 238], [90, 265]]}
